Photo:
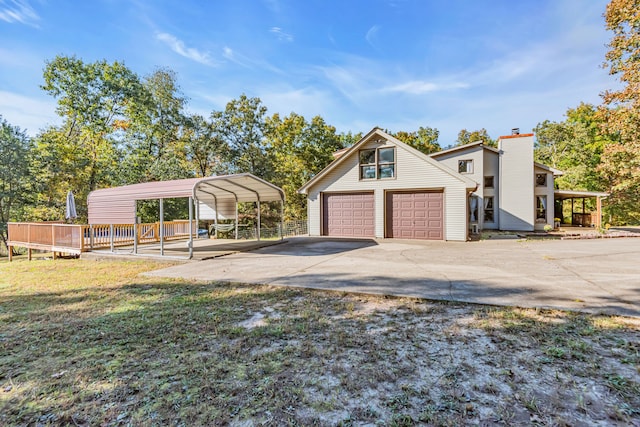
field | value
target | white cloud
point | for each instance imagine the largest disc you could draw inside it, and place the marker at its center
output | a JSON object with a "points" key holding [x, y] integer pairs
{"points": [[18, 11], [282, 36], [417, 87], [371, 34], [30, 114], [180, 48], [246, 62]]}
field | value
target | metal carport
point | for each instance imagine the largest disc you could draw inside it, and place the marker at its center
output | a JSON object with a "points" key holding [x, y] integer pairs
{"points": [[118, 205]]}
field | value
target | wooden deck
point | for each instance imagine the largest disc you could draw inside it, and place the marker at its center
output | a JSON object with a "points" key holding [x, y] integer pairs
{"points": [[74, 239]]}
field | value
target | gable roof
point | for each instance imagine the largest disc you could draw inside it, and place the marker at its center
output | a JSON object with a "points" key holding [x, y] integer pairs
{"points": [[465, 147], [380, 133]]}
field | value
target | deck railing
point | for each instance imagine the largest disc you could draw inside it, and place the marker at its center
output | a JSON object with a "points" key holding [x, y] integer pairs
{"points": [[74, 239]]}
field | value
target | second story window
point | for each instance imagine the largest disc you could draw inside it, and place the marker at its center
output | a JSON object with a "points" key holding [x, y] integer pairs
{"points": [[488, 182], [465, 166], [377, 163], [541, 180]]}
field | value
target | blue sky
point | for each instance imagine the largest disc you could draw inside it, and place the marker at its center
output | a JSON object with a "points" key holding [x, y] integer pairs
{"points": [[397, 64]]}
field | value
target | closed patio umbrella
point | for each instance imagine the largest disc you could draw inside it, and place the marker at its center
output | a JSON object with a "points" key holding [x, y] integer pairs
{"points": [[70, 212]]}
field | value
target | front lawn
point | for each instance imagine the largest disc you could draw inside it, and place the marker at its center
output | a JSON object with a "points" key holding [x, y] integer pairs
{"points": [[93, 343]]}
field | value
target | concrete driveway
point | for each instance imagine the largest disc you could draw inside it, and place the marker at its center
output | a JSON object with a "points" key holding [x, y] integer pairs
{"points": [[601, 275]]}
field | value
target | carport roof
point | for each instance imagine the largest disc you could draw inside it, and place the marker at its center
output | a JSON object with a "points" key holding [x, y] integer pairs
{"points": [[243, 187], [117, 205]]}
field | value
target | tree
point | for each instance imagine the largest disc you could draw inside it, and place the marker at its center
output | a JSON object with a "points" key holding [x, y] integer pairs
{"points": [[156, 149], [467, 137], [14, 174], [298, 150], [424, 139], [81, 154], [205, 149], [621, 110], [241, 126], [574, 146]]}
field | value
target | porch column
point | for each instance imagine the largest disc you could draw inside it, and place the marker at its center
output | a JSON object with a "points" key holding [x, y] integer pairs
{"points": [[598, 212], [572, 223]]}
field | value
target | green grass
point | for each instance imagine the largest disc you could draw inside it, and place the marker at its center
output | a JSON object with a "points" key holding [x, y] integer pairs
{"points": [[95, 343]]}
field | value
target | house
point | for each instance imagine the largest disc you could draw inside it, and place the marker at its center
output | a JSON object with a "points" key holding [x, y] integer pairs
{"points": [[383, 188], [514, 192]]}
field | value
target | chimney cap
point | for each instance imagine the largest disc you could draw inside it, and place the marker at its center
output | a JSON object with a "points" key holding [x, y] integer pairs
{"points": [[515, 131]]}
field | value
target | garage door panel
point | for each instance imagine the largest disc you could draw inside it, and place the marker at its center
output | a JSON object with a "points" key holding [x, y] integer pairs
{"points": [[348, 214], [415, 215]]}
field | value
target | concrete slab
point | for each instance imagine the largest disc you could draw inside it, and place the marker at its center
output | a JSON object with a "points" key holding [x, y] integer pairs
{"points": [[600, 276], [178, 250]]}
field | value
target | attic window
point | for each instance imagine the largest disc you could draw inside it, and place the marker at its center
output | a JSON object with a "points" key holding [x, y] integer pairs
{"points": [[465, 166], [377, 163], [541, 180]]}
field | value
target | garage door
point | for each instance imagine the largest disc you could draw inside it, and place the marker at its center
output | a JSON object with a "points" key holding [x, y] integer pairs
{"points": [[416, 215], [348, 215]]}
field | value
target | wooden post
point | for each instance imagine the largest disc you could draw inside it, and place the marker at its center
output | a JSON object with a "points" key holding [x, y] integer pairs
{"points": [[572, 211], [598, 212], [29, 254], [10, 253]]}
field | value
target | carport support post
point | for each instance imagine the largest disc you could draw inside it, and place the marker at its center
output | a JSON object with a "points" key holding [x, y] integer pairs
{"points": [[258, 234], [190, 227], [281, 219], [236, 217], [111, 236], [135, 235], [161, 227]]}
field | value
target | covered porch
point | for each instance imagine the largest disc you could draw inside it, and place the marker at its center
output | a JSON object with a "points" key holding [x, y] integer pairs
{"points": [[579, 216]]}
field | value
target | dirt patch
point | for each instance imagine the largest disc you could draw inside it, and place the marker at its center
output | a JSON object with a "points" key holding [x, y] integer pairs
{"points": [[146, 352]]}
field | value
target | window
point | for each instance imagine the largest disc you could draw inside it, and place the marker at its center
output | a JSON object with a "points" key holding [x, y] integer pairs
{"points": [[465, 166], [473, 209], [488, 209], [378, 163], [488, 182], [541, 180], [541, 209]]}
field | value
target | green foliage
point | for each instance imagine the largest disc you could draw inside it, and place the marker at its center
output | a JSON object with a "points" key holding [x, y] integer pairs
{"points": [[298, 150], [424, 139], [241, 126], [621, 111], [15, 175], [467, 137]]}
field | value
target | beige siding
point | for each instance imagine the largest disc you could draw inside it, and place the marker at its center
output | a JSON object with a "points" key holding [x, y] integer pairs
{"points": [[412, 173], [492, 168], [545, 191], [517, 206], [475, 154]]}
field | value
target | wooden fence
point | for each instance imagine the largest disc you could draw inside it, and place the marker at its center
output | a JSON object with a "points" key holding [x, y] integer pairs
{"points": [[74, 239]]}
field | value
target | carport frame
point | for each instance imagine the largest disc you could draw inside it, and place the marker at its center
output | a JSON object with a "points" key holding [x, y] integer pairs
{"points": [[118, 205]]}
